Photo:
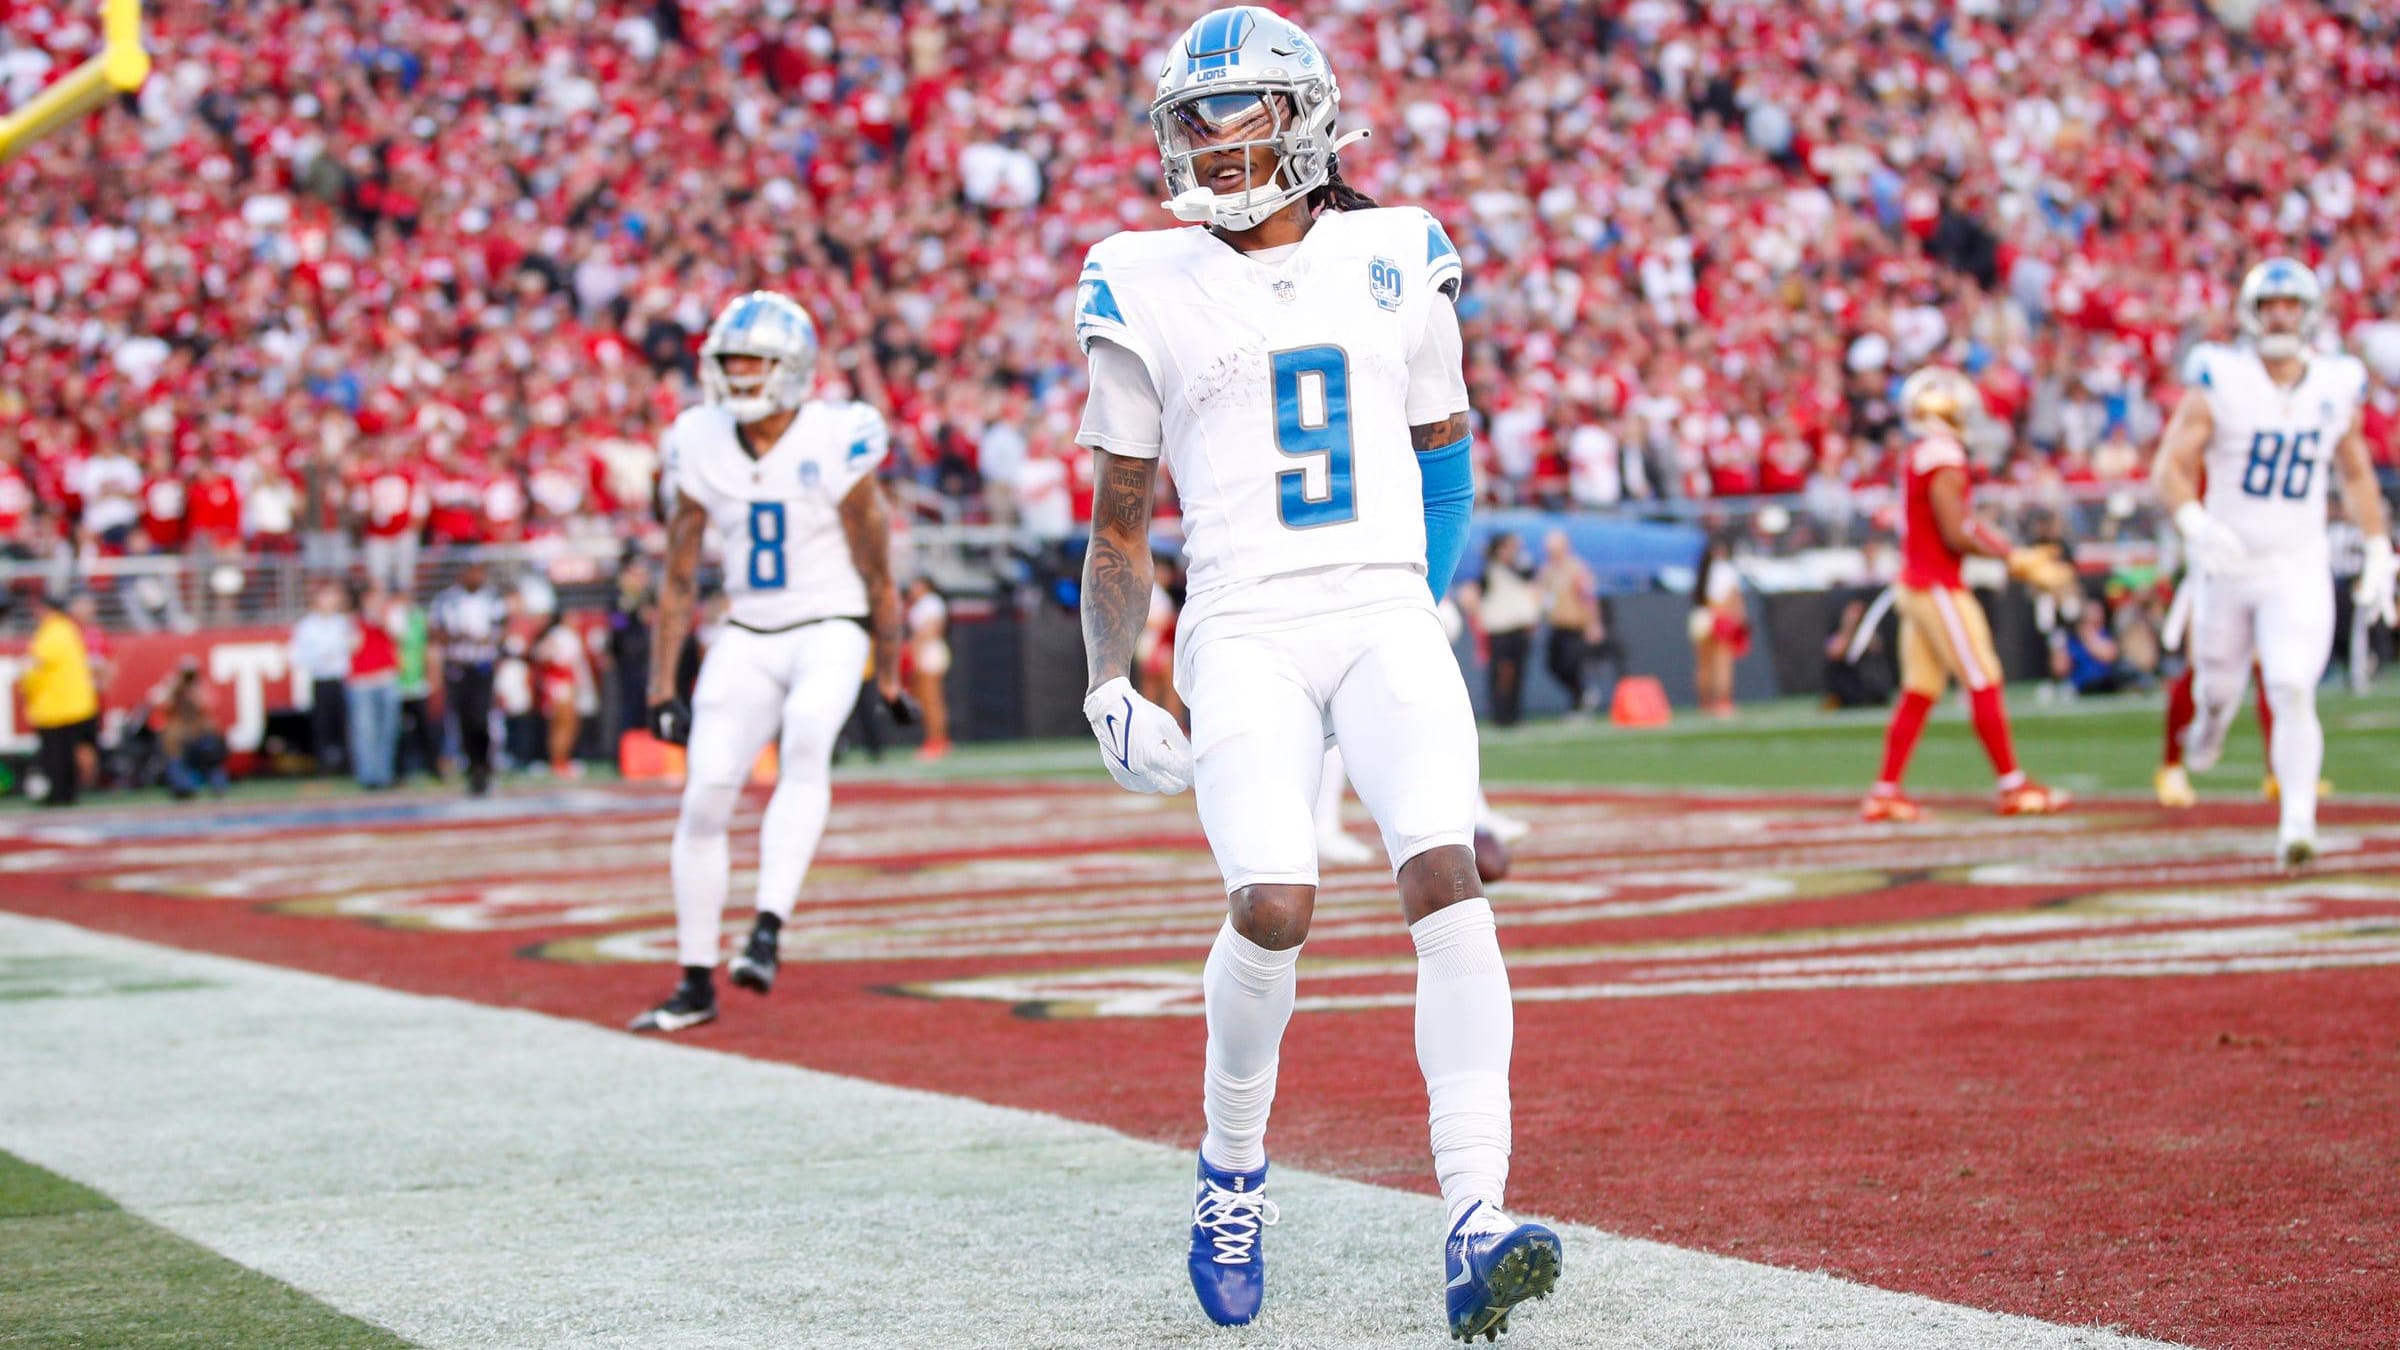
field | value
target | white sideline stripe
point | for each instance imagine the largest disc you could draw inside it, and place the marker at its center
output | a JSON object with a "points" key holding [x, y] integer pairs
{"points": [[471, 1176]]}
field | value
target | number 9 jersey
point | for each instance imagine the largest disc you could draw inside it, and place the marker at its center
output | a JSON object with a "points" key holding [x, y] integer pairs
{"points": [[776, 520], [2273, 448], [1285, 387]]}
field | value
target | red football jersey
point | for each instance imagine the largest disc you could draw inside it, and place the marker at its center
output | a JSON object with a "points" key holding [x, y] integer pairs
{"points": [[1927, 561], [166, 511], [16, 501], [391, 499]]}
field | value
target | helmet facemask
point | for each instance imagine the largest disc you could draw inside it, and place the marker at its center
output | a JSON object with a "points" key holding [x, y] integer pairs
{"points": [[2280, 279], [1279, 130], [773, 329]]}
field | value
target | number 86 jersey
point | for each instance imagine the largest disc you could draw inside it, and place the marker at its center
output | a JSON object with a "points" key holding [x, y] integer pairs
{"points": [[776, 520], [2273, 448], [1286, 388]]}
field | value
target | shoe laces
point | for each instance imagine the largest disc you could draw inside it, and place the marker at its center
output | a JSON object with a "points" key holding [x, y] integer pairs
{"points": [[1232, 1219]]}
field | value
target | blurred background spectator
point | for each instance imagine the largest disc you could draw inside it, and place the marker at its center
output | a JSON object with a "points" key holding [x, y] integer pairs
{"points": [[1860, 683], [929, 664], [61, 703], [1571, 609], [320, 649], [1507, 607], [188, 736], [373, 690]]}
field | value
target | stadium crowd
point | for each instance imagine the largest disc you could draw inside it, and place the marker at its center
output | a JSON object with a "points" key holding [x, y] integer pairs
{"points": [[440, 271]]}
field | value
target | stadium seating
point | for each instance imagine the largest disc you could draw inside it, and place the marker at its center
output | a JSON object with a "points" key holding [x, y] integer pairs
{"points": [[1700, 238]]}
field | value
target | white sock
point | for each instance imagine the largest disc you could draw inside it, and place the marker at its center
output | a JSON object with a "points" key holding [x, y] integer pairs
{"points": [[2298, 755], [1466, 1028], [1329, 794], [787, 841], [1249, 992], [700, 862]]}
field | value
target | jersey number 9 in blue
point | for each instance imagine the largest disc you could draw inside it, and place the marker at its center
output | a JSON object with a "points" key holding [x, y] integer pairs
{"points": [[766, 546], [2274, 455], [1312, 417]]}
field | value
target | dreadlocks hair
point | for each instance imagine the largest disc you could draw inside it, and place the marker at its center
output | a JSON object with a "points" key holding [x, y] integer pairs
{"points": [[1335, 193]]}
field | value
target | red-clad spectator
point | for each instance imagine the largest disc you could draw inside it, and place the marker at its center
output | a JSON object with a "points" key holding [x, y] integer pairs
{"points": [[455, 489], [505, 505], [216, 510], [166, 504], [16, 505], [2027, 188], [391, 503]]}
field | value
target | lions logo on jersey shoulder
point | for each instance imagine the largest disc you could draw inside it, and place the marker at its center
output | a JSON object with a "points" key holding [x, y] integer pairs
{"points": [[1383, 282]]}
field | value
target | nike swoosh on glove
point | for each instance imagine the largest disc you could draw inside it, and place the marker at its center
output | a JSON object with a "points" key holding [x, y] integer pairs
{"points": [[2213, 546], [1144, 749], [2377, 584]]}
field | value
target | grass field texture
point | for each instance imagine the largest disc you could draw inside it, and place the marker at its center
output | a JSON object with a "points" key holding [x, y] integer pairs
{"points": [[75, 1270]]}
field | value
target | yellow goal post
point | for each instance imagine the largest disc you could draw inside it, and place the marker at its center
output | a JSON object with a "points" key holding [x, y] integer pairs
{"points": [[120, 68]]}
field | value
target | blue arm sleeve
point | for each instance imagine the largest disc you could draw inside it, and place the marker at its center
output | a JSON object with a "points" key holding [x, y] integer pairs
{"points": [[1448, 472]]}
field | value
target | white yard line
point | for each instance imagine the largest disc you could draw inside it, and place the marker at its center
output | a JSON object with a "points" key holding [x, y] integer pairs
{"points": [[469, 1176]]}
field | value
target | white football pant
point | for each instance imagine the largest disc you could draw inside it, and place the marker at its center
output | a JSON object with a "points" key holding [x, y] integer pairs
{"points": [[1386, 686], [804, 681], [2282, 618]]}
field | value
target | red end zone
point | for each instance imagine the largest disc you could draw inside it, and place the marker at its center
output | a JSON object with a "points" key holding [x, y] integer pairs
{"points": [[2110, 1067]]}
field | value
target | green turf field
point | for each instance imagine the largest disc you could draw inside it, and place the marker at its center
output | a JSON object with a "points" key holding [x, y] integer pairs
{"points": [[75, 1270], [2093, 745]]}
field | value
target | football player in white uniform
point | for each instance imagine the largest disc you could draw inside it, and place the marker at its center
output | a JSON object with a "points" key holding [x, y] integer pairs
{"points": [[784, 486], [1296, 360], [2270, 421]]}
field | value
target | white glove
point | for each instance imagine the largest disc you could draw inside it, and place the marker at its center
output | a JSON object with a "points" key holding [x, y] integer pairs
{"points": [[1144, 749], [2377, 583], [2211, 545]]}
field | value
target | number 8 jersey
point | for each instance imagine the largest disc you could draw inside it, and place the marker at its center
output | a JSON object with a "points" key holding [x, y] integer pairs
{"points": [[2273, 448], [776, 520], [1286, 387]]}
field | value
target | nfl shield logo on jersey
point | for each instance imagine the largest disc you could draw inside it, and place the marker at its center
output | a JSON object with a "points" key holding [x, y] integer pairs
{"points": [[810, 473], [1383, 282]]}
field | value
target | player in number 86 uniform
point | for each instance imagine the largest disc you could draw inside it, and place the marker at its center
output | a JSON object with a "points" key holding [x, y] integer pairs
{"points": [[2271, 421], [1296, 361], [785, 486]]}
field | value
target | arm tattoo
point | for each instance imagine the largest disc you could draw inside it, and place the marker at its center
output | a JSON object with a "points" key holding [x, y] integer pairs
{"points": [[1116, 569], [867, 527], [678, 595], [1435, 435]]}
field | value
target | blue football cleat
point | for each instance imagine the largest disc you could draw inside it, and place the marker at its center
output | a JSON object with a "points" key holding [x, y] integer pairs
{"points": [[1229, 1271], [1493, 1266]]}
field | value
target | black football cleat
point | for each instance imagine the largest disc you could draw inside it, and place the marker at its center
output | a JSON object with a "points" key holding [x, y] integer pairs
{"points": [[754, 968], [688, 1008]]}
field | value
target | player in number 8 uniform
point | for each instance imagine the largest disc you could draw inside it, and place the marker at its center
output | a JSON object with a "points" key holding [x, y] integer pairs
{"points": [[2271, 423], [786, 487], [1297, 363]]}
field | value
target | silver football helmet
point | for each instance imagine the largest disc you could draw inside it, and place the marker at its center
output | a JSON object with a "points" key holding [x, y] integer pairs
{"points": [[1246, 79], [2280, 279], [769, 326]]}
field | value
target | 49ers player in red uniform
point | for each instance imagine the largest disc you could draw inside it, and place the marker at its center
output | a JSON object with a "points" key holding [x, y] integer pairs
{"points": [[1943, 633]]}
